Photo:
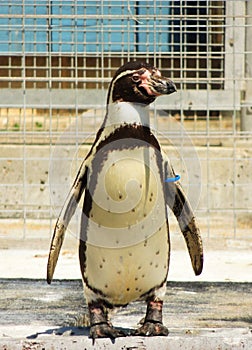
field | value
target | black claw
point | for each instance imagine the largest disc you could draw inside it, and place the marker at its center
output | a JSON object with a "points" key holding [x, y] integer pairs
{"points": [[151, 329], [104, 330], [100, 325], [153, 325]]}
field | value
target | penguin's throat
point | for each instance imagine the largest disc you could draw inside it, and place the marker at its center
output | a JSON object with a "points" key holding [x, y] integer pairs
{"points": [[122, 113]]}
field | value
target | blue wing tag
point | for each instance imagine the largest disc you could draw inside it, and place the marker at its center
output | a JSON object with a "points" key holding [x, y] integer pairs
{"points": [[173, 179]]}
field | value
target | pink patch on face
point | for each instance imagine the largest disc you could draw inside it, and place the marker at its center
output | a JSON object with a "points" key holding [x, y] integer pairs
{"points": [[145, 82]]}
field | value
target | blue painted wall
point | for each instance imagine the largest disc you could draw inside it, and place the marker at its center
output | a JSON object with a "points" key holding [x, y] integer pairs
{"points": [[109, 28]]}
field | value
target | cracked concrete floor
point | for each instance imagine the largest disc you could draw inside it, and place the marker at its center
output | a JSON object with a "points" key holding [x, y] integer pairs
{"points": [[212, 311], [199, 315]]}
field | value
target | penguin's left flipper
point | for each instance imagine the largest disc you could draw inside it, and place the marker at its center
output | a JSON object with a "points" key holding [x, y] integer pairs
{"points": [[64, 218], [179, 204]]}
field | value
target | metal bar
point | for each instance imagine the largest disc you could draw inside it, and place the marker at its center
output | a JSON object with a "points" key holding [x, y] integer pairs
{"points": [[57, 59]]}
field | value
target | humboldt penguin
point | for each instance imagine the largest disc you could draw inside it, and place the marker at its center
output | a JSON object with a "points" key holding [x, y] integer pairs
{"points": [[128, 182]]}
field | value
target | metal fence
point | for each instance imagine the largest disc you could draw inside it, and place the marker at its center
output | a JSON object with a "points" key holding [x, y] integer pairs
{"points": [[56, 61]]}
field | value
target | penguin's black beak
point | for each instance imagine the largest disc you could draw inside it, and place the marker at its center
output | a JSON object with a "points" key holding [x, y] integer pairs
{"points": [[161, 85], [153, 84]]}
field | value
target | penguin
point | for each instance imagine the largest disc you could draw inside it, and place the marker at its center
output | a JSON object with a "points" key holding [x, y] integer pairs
{"points": [[127, 182]]}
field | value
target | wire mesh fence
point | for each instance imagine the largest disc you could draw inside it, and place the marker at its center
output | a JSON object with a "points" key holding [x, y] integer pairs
{"points": [[57, 59]]}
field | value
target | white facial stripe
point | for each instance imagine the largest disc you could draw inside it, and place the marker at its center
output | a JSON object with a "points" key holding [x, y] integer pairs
{"points": [[121, 75], [127, 72]]}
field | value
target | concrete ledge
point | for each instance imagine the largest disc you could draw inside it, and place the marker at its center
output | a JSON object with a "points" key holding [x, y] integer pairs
{"points": [[207, 339], [40, 182]]}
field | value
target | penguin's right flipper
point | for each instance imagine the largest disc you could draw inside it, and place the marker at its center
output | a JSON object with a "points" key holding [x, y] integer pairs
{"points": [[64, 218], [179, 204]]}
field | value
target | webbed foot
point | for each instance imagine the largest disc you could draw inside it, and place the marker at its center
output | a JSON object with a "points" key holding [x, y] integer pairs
{"points": [[100, 327], [151, 329], [104, 330], [153, 325]]}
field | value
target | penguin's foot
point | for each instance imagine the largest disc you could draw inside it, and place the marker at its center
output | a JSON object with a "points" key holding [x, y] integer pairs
{"points": [[153, 324], [104, 330], [100, 327], [151, 329]]}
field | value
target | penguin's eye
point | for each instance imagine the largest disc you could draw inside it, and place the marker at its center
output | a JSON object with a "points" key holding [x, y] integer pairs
{"points": [[135, 78]]}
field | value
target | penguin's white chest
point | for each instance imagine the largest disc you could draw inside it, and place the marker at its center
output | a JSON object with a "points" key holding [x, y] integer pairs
{"points": [[127, 240]]}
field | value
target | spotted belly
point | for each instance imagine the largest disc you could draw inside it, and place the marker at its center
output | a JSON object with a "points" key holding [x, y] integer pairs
{"points": [[127, 245]]}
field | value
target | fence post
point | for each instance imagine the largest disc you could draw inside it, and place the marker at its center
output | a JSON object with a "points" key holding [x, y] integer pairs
{"points": [[246, 112]]}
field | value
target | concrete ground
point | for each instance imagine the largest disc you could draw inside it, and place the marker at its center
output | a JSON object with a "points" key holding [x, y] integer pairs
{"points": [[199, 315], [212, 311]]}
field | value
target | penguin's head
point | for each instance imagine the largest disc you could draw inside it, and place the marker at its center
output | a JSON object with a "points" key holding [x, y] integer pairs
{"points": [[139, 82]]}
